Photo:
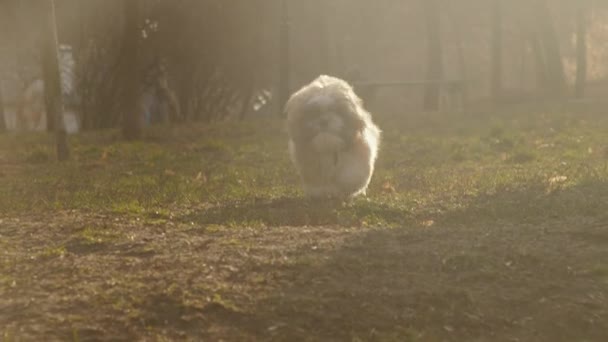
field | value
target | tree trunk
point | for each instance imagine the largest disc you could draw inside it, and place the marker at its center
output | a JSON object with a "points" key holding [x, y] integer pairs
{"points": [[2, 118], [47, 78], [132, 115], [434, 72], [284, 57], [462, 60], [539, 60], [554, 66], [52, 80], [324, 37], [497, 44], [248, 95], [86, 119], [581, 50]]}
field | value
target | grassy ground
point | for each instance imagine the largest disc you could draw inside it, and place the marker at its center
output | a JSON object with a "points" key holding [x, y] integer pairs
{"points": [[485, 227]]}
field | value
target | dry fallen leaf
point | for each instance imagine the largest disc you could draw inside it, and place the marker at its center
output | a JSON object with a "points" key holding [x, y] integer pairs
{"points": [[388, 188], [201, 177], [428, 223], [557, 180]]}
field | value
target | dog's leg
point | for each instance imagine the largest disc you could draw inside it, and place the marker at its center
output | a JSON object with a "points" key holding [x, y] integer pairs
{"points": [[354, 170]]}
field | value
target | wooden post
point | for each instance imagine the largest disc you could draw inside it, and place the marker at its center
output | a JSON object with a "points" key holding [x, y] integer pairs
{"points": [[462, 60], [550, 48], [132, 116], [52, 79], [284, 57]]}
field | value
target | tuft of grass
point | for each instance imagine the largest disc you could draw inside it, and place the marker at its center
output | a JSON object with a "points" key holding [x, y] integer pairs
{"points": [[225, 303], [241, 175], [52, 252], [39, 155], [522, 157], [91, 235], [132, 207]]}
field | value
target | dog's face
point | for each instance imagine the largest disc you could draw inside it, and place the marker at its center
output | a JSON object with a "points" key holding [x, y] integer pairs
{"points": [[327, 118], [324, 122]]}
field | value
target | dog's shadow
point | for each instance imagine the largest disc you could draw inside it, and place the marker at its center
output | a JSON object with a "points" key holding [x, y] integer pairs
{"points": [[294, 211]]}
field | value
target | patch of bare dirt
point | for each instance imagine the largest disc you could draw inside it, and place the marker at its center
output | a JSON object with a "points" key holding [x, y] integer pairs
{"points": [[89, 277]]}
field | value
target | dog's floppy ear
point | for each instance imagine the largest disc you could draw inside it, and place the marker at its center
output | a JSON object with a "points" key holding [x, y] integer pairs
{"points": [[358, 114], [358, 124], [288, 110], [293, 122]]}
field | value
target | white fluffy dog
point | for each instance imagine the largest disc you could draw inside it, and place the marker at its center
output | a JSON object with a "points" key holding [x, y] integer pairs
{"points": [[332, 140]]}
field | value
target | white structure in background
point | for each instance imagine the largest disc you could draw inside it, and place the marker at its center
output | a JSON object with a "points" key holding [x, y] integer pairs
{"points": [[29, 114], [67, 66]]}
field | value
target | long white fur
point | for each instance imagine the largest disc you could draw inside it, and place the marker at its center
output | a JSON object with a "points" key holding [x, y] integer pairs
{"points": [[343, 169]]}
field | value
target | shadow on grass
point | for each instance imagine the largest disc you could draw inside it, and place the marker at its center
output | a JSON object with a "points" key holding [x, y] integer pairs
{"points": [[505, 268], [537, 202], [302, 212], [525, 263], [172, 313]]}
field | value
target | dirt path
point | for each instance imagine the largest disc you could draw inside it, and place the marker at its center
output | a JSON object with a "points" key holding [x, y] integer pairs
{"points": [[83, 276]]}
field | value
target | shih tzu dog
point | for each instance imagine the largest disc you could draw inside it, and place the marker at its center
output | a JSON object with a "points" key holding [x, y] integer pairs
{"points": [[332, 140]]}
